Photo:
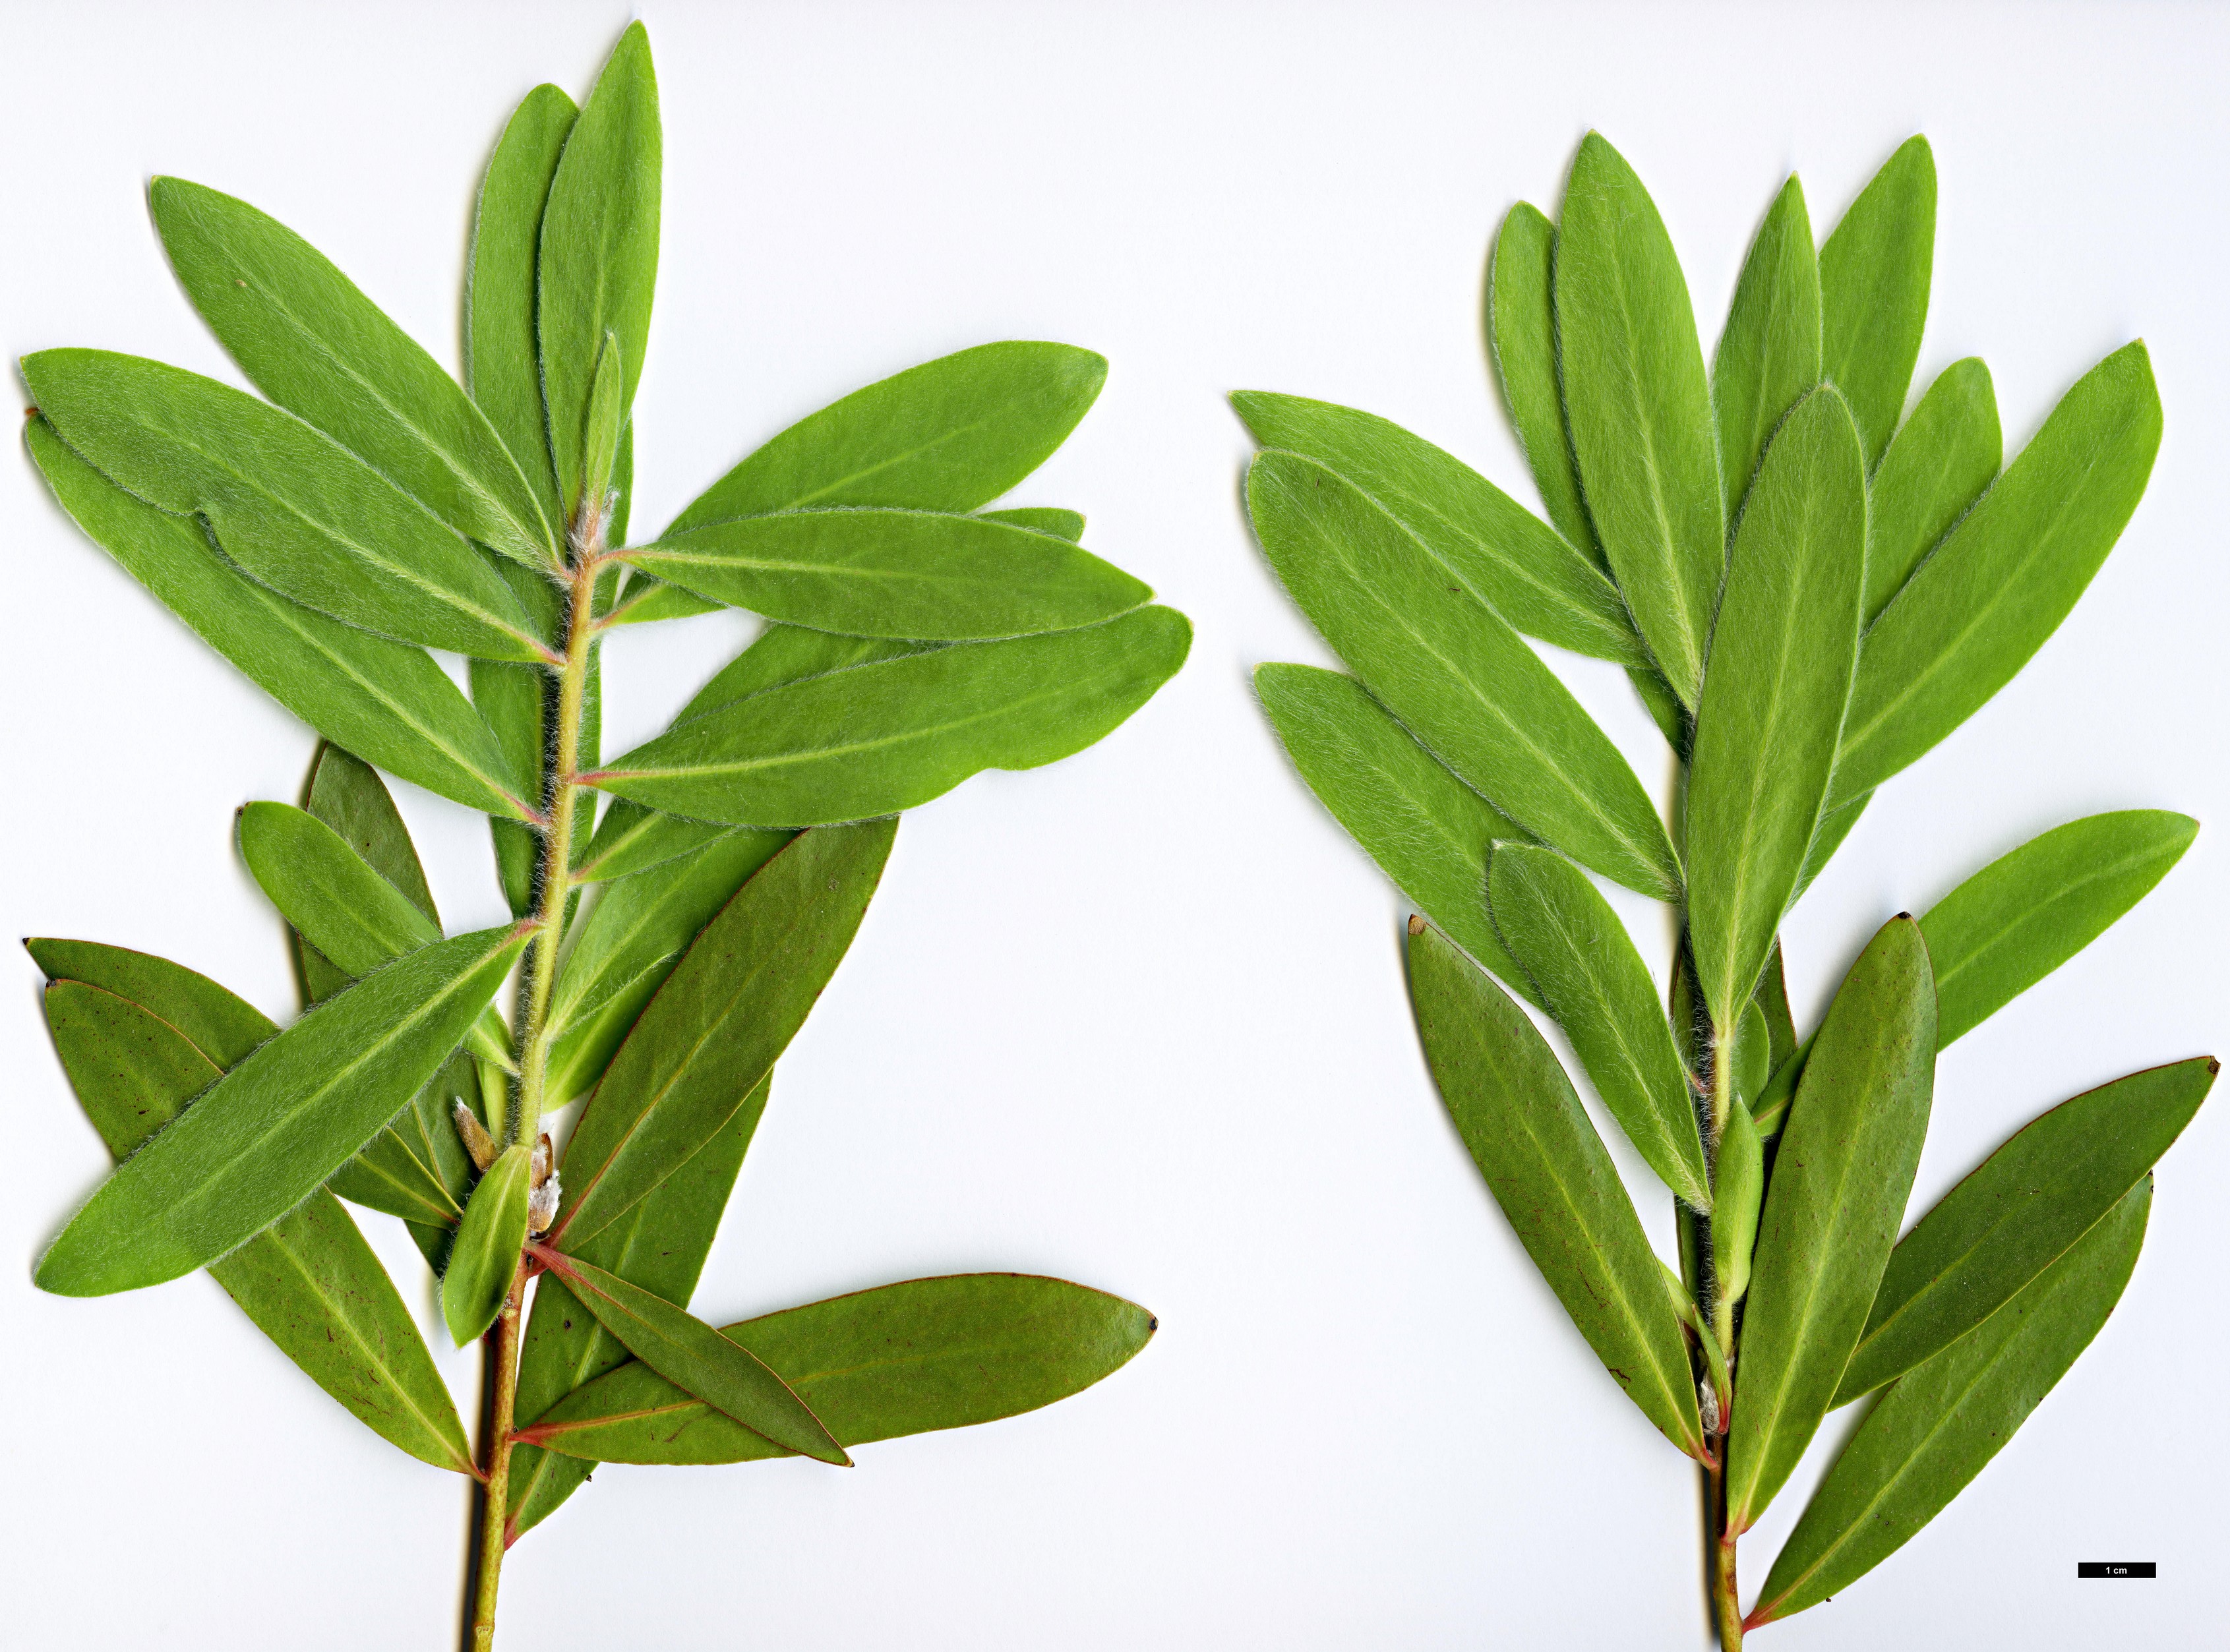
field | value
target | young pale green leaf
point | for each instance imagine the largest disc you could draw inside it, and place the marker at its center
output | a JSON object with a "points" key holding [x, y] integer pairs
{"points": [[384, 700], [1941, 1425], [2026, 913], [877, 738], [1548, 1170], [1481, 538], [598, 260], [726, 1012], [309, 339], [2030, 1201], [1783, 650], [951, 435], [1427, 829], [877, 1365], [1873, 290], [1772, 1001], [1739, 1186], [1752, 1053], [1594, 982], [881, 572], [629, 944], [503, 358], [278, 1125], [309, 1281], [486, 1257], [354, 918], [1640, 409], [2002, 580], [1936, 466], [1521, 329], [1042, 519], [659, 1245], [1769, 356], [289, 505], [1448, 666], [694, 1356], [1840, 1179], [599, 441]]}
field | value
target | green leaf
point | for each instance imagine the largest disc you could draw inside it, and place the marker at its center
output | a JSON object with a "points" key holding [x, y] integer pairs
{"points": [[598, 261], [503, 357], [630, 942], [309, 339], [1594, 982], [387, 702], [877, 738], [289, 505], [1840, 1179], [2011, 1220], [877, 1365], [278, 1125], [221, 1027], [893, 573], [1548, 1170], [1640, 409], [486, 1257], [661, 1245], [1835, 824], [2002, 580], [2026, 913], [354, 918], [599, 441], [1041, 518], [1769, 356], [1936, 466], [1427, 829], [728, 1010], [349, 796], [1752, 1053], [692, 1355], [1873, 290], [951, 434], [1782, 652], [310, 1282], [1737, 1188], [1772, 1001], [1479, 535], [1444, 663], [1663, 707], [1939, 1427], [1521, 327]]}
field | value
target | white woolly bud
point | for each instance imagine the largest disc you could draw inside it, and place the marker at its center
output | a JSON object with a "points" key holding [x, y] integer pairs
{"points": [[542, 1207]]}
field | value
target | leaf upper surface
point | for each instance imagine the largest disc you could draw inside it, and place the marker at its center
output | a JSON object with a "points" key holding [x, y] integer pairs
{"points": [[1769, 356], [1873, 287], [1521, 321], [1936, 466]]}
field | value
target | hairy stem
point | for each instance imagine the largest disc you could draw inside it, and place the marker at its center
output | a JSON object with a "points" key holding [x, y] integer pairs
{"points": [[1726, 1608], [554, 882]]}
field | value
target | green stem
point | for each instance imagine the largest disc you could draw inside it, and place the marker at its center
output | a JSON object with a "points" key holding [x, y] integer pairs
{"points": [[495, 1493], [1726, 1603]]}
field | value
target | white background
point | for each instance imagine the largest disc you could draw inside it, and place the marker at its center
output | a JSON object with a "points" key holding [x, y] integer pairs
{"points": [[1139, 1019]]}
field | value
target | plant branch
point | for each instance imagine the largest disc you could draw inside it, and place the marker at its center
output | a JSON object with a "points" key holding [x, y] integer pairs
{"points": [[495, 1491]]}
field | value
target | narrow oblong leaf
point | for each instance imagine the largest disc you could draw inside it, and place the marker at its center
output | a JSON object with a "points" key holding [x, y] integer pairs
{"points": [[1521, 329], [1548, 1170], [882, 572], [221, 1027], [1042, 519], [598, 259], [485, 1259], [1936, 466], [690, 1353], [630, 941], [1449, 667], [309, 1281], [1839, 1183], [877, 1365], [1783, 650], [720, 1020], [1873, 288], [503, 357], [1428, 831], [289, 505], [2028, 912], [385, 701], [876, 738], [275, 1128], [1941, 1425], [1640, 408], [1561, 930], [2002, 580], [1769, 356], [2017, 1214], [1501, 552], [1737, 1188], [309, 339]]}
